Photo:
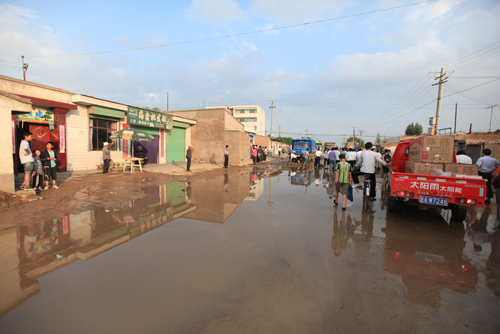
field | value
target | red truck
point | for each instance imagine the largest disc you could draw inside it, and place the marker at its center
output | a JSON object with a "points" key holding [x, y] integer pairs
{"points": [[455, 193]]}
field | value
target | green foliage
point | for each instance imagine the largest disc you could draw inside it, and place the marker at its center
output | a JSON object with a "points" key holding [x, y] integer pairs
{"points": [[48, 115], [414, 129], [377, 140], [286, 140], [357, 141]]}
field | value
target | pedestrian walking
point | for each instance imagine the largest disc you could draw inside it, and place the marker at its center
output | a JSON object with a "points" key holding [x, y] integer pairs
{"points": [[486, 167], [317, 159], [343, 178], [226, 156], [265, 153], [367, 161], [106, 157], [49, 159], [326, 158], [259, 154], [351, 157], [332, 155], [279, 152], [387, 158], [254, 155], [189, 154], [462, 158], [26, 158]]}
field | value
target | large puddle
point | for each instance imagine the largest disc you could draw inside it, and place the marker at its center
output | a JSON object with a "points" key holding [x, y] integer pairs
{"points": [[258, 252]]}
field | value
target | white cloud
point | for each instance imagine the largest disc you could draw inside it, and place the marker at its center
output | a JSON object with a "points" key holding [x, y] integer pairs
{"points": [[296, 11], [216, 12]]}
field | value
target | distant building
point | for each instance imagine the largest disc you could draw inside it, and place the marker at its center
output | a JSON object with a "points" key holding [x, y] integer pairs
{"points": [[252, 116]]}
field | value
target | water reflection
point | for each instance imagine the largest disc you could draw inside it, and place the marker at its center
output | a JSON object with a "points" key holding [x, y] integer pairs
{"points": [[428, 256], [32, 251]]}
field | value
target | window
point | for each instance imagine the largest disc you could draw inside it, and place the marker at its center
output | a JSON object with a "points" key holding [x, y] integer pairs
{"points": [[239, 111], [252, 111], [100, 130], [248, 120]]}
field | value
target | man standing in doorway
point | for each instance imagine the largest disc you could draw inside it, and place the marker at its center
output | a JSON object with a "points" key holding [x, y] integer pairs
{"points": [[486, 167], [106, 157], [189, 154], [27, 160], [226, 156]]}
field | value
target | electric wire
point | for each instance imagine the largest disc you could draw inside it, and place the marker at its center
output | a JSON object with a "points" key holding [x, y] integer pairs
{"points": [[238, 34]]}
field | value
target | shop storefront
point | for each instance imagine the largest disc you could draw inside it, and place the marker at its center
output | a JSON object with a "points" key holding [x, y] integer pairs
{"points": [[155, 124], [47, 122]]}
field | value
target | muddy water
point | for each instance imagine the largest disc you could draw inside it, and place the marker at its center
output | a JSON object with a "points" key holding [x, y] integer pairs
{"points": [[260, 252]]}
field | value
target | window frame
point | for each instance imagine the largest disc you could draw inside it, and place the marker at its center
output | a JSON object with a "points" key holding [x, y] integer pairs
{"points": [[111, 127]]}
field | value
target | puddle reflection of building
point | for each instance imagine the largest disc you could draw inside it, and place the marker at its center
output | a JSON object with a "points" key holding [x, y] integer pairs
{"points": [[427, 254], [217, 197], [256, 188], [30, 252]]}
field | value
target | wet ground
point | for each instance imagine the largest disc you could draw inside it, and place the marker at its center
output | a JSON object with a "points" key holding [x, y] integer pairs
{"points": [[251, 252]]}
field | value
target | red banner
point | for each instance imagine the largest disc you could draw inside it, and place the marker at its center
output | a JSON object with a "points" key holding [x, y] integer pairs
{"points": [[162, 143]]}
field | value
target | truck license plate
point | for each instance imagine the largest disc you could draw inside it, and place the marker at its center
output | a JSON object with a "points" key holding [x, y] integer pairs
{"points": [[433, 200]]}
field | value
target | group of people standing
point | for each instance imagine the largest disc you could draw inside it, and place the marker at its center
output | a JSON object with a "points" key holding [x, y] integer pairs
{"points": [[259, 153], [40, 167]]}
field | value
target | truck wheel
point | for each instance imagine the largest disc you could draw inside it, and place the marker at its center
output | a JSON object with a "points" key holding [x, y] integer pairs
{"points": [[394, 205], [458, 214]]}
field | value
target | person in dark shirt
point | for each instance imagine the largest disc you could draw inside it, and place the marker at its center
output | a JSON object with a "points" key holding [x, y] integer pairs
{"points": [[140, 154]]}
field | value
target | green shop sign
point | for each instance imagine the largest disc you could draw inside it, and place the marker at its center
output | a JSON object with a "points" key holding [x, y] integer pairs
{"points": [[148, 118]]}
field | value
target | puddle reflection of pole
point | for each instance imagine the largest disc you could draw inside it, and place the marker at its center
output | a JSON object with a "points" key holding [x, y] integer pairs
{"points": [[270, 202]]}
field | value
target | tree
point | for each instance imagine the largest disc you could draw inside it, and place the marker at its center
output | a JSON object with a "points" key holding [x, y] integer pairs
{"points": [[286, 140], [357, 141], [377, 140], [153, 109], [414, 129]]}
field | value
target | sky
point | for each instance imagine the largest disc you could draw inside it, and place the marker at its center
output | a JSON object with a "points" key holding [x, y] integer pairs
{"points": [[328, 65]]}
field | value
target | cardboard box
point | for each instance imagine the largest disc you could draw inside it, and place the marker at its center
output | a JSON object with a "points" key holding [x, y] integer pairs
{"points": [[461, 169], [434, 149], [424, 168]]}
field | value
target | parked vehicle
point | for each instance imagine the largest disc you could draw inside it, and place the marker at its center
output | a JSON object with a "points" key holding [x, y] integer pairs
{"points": [[299, 146], [455, 193], [330, 145], [320, 145]]}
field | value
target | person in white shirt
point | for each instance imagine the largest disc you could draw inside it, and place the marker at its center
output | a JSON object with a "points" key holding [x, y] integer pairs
{"points": [[351, 157], [317, 159], [462, 158], [367, 160], [26, 158], [325, 159]]}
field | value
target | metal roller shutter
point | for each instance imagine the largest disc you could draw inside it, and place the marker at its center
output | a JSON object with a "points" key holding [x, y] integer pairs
{"points": [[176, 141]]}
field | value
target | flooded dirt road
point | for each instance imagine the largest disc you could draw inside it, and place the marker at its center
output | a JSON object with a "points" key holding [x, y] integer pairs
{"points": [[251, 252]]}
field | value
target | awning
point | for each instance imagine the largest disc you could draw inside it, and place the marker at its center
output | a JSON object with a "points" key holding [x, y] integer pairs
{"points": [[106, 112]]}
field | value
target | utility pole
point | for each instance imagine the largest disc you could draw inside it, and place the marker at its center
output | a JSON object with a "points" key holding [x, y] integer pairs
{"points": [[455, 129], [360, 134], [441, 81], [25, 68], [491, 114], [307, 132], [344, 140], [279, 133], [354, 137], [167, 101], [272, 109]]}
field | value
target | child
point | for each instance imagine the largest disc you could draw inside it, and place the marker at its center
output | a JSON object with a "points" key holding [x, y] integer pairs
{"points": [[37, 172], [49, 158], [343, 179]]}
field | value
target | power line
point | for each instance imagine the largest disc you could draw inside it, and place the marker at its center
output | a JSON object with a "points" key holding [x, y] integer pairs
{"points": [[458, 61], [239, 34]]}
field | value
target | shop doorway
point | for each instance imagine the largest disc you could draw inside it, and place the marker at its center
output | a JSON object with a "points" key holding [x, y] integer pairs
{"points": [[150, 148]]}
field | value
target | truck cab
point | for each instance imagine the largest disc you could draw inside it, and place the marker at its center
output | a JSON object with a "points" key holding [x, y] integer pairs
{"points": [[300, 146]]}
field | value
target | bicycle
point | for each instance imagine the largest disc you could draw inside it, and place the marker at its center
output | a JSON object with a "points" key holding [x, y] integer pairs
{"points": [[366, 192]]}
